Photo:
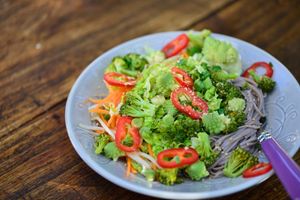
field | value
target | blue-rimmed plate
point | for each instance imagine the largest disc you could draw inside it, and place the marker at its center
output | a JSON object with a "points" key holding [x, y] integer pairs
{"points": [[282, 112]]}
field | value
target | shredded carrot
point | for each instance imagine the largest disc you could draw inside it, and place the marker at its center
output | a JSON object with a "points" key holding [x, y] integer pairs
{"points": [[151, 154], [114, 96], [128, 166], [184, 54], [100, 131], [133, 170], [150, 150], [99, 110], [113, 121]]}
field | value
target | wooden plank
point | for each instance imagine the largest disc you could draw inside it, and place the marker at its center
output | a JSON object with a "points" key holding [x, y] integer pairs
{"points": [[272, 26], [37, 161], [42, 153], [60, 38]]}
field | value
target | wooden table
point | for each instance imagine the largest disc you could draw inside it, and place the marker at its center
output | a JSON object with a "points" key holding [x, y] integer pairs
{"points": [[44, 45]]}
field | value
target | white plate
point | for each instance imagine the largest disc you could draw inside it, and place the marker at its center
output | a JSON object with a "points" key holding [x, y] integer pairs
{"points": [[282, 111]]}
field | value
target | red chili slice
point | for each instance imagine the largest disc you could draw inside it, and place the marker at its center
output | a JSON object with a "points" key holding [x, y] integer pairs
{"points": [[187, 109], [257, 170], [185, 156], [123, 81], [124, 127], [254, 66], [182, 77], [176, 45]]}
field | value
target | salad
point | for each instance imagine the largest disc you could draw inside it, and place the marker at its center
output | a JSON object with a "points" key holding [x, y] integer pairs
{"points": [[185, 111]]}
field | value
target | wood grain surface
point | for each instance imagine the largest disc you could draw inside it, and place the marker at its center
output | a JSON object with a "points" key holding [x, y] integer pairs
{"points": [[44, 45]]}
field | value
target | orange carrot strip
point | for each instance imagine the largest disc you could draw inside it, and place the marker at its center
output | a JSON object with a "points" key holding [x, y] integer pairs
{"points": [[151, 154], [133, 170], [128, 166], [114, 96], [150, 150], [100, 131], [113, 121], [99, 110], [110, 121], [184, 54]]}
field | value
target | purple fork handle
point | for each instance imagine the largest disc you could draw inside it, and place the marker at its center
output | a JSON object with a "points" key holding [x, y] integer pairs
{"points": [[284, 166]]}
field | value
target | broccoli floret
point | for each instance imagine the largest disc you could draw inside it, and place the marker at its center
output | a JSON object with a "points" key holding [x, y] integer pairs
{"points": [[218, 74], [197, 171], [221, 53], [239, 161], [101, 141], [131, 64], [158, 100], [167, 176], [192, 50], [137, 122], [154, 57], [201, 143], [112, 151], [227, 91], [207, 83], [236, 104], [169, 107], [197, 39], [236, 120], [265, 83], [165, 123], [135, 61], [164, 84], [214, 122], [136, 106], [210, 93], [185, 127], [149, 174], [214, 103]]}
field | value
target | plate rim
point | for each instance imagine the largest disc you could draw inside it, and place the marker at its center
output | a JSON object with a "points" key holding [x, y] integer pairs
{"points": [[121, 182]]}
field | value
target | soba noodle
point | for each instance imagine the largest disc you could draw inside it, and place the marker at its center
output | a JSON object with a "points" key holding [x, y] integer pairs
{"points": [[245, 136]]}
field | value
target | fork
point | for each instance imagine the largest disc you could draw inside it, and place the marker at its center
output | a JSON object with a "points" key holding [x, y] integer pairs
{"points": [[284, 166]]}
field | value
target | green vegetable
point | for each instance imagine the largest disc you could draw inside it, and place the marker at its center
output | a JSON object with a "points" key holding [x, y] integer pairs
{"points": [[210, 93], [223, 54], [136, 166], [239, 161], [214, 122], [136, 106], [197, 171], [201, 144], [131, 64], [214, 103], [167, 176], [207, 83], [137, 122], [112, 151], [227, 91], [135, 61], [236, 119], [164, 84], [265, 83], [154, 57], [197, 39], [218, 74], [158, 100], [101, 141], [149, 174], [236, 104]]}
